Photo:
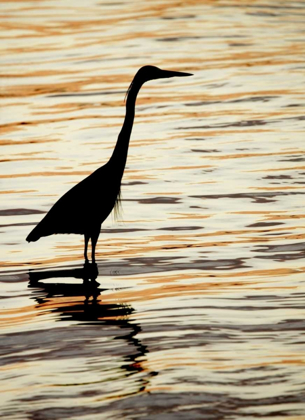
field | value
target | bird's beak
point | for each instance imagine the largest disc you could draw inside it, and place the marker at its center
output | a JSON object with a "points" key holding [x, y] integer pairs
{"points": [[169, 73]]}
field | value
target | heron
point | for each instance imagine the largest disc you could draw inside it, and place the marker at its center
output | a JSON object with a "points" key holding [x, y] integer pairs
{"points": [[83, 209]]}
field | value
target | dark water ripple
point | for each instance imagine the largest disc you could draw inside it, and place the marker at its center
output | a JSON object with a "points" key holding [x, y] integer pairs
{"points": [[257, 197]]}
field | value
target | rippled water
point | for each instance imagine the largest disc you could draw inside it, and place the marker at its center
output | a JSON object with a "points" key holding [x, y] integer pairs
{"points": [[196, 307]]}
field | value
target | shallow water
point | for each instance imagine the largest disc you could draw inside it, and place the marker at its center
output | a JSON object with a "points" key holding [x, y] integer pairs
{"points": [[196, 306]]}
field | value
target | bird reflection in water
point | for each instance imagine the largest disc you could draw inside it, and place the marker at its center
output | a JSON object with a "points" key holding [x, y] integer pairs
{"points": [[82, 302], [88, 273]]}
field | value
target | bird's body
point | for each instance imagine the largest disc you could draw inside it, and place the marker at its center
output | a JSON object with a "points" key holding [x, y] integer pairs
{"points": [[70, 214], [85, 206]]}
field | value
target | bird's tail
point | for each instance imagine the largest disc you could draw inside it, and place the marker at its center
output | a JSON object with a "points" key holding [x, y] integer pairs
{"points": [[34, 235]]}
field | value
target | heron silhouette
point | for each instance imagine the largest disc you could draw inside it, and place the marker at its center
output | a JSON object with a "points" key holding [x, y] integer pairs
{"points": [[83, 209]]}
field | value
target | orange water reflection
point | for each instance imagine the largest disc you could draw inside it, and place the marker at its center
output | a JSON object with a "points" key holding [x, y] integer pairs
{"points": [[199, 308]]}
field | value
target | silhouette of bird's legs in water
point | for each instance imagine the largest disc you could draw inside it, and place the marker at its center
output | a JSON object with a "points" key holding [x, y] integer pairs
{"points": [[94, 237], [87, 237]]}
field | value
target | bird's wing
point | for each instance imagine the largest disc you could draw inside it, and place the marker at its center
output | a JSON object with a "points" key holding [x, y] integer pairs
{"points": [[79, 207]]}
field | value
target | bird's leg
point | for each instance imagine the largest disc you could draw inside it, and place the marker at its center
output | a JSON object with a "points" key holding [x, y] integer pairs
{"points": [[94, 238], [86, 246]]}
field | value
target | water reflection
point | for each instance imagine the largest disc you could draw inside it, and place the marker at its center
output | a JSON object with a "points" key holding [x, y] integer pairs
{"points": [[209, 263], [88, 273], [83, 303]]}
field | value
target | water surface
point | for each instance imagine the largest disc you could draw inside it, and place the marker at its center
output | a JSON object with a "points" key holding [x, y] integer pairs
{"points": [[196, 306]]}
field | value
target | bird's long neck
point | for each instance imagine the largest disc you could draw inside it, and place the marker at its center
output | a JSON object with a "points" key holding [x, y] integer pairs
{"points": [[119, 155]]}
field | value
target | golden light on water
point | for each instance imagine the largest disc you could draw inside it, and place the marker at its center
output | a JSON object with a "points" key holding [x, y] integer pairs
{"points": [[199, 307]]}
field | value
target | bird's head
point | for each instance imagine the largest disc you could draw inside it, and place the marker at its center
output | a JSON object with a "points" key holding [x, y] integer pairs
{"points": [[147, 73]]}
